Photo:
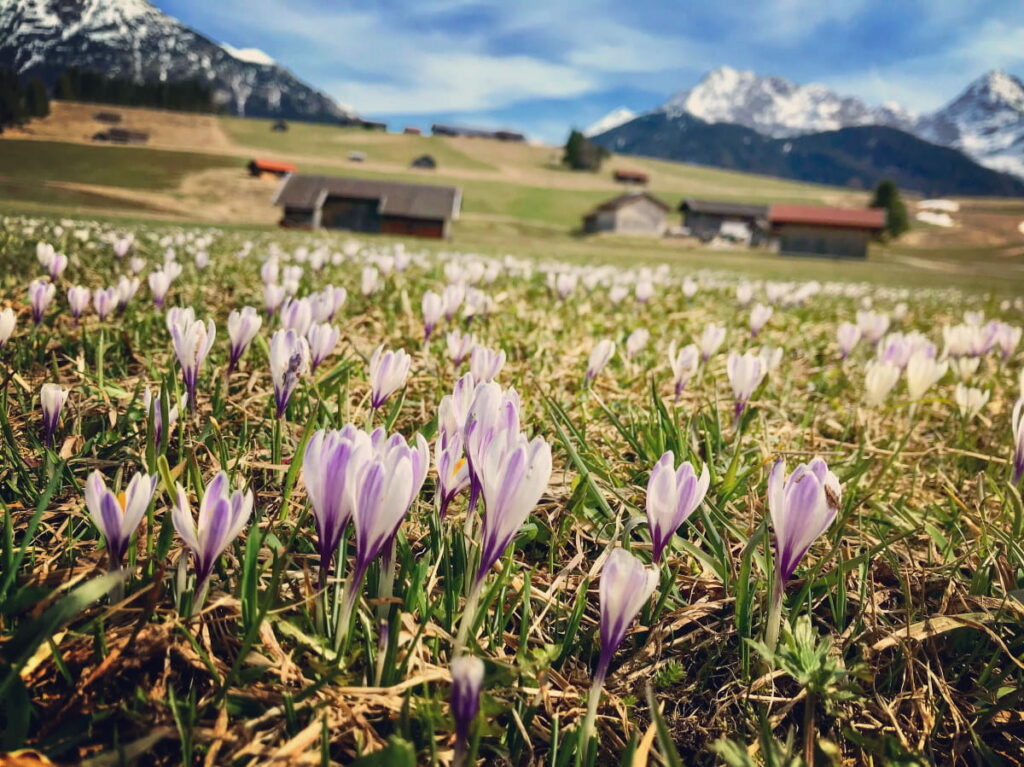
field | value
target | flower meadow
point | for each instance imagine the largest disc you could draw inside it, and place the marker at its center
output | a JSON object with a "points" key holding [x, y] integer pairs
{"points": [[290, 498]]}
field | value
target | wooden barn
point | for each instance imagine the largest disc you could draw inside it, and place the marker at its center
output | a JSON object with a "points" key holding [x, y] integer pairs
{"points": [[739, 222], [630, 177], [412, 130], [122, 136], [458, 130], [805, 230], [363, 205], [637, 214], [270, 170]]}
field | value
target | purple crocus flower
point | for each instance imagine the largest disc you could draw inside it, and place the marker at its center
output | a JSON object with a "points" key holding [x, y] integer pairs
{"points": [[625, 587], [289, 361], [710, 340], [847, 334], [460, 345], [802, 506], [486, 363], [57, 265], [759, 317], [467, 681], [159, 284], [433, 308], [746, 371], [330, 464], [104, 301], [684, 363], [273, 296], [40, 294], [322, 339], [388, 371], [52, 398], [117, 516], [452, 469], [242, 328], [672, 496], [297, 315], [8, 321], [78, 301], [151, 404], [1018, 441], [492, 411], [600, 356], [192, 341], [123, 246], [222, 515], [127, 287]]}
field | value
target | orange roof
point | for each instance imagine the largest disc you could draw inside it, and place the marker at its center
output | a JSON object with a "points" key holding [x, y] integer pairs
{"points": [[274, 166], [869, 218]]}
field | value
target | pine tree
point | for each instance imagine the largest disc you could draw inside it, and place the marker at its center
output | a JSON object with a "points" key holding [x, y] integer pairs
{"points": [[887, 196], [37, 100], [582, 154]]}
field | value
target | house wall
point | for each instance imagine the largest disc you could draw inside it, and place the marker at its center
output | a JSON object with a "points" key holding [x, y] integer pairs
{"points": [[707, 226], [414, 227], [641, 217], [356, 215], [299, 218], [801, 240]]}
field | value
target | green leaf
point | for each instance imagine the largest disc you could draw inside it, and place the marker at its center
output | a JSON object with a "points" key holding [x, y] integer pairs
{"points": [[397, 753]]}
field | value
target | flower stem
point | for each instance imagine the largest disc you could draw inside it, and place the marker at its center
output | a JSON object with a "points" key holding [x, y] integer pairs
{"points": [[468, 616], [774, 614], [593, 699]]}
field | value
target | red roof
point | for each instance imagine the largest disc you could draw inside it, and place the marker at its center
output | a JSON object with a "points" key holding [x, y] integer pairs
{"points": [[274, 166], [843, 218]]}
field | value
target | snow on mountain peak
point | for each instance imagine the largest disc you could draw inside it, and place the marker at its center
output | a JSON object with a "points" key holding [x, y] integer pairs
{"points": [[249, 55], [613, 119]]}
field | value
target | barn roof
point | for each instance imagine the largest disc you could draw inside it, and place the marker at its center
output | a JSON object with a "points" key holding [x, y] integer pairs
{"points": [[633, 175], [842, 218], [718, 208], [396, 199], [273, 166], [627, 199]]}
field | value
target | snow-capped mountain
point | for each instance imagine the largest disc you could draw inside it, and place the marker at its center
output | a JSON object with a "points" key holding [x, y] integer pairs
{"points": [[986, 121], [777, 107], [613, 119], [133, 39]]}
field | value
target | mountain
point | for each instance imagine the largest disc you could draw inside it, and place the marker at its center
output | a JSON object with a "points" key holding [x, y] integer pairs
{"points": [[986, 121], [613, 119], [133, 39], [859, 156], [777, 107]]}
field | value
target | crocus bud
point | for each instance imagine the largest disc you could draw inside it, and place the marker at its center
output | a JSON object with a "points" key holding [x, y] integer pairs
{"points": [[57, 265], [636, 342], [222, 515], [970, 401], [297, 315], [388, 372], [369, 281], [40, 294], [433, 308], [684, 363], [159, 284], [289, 361], [52, 398], [8, 321], [104, 301], [467, 681], [847, 334], [626, 585], [746, 371], [600, 356], [923, 372], [242, 328], [192, 341], [273, 296], [117, 516], [454, 295], [872, 325], [710, 340], [1018, 442], [78, 301], [126, 290], [322, 339], [486, 363], [460, 346], [759, 317], [672, 496], [151, 404], [879, 379]]}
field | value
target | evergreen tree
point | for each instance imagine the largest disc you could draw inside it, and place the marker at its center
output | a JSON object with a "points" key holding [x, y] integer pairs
{"points": [[12, 100], [582, 154], [37, 100], [887, 196]]}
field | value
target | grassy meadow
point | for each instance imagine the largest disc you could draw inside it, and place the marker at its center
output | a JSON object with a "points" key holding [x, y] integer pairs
{"points": [[521, 583]]}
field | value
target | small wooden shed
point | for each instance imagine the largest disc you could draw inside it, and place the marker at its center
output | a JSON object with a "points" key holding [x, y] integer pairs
{"points": [[630, 177], [708, 219], [805, 230], [638, 213]]}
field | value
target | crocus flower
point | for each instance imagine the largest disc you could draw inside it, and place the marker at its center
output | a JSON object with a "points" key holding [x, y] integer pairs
{"points": [[746, 371], [242, 328], [625, 587], [636, 342], [600, 356], [644, 291], [770, 357], [78, 301], [452, 469], [270, 271], [923, 372], [322, 339], [1007, 338], [848, 335], [127, 287], [970, 401], [330, 464], [222, 515], [202, 259], [297, 315], [289, 361], [467, 681], [684, 363], [879, 379], [451, 300], [460, 346], [136, 264], [123, 246], [52, 398], [40, 294], [744, 293], [802, 507], [872, 325], [117, 516], [710, 340], [104, 301], [388, 372], [1018, 441], [433, 308], [485, 363], [273, 297], [151, 404], [159, 283], [672, 496], [57, 265], [8, 321], [565, 284], [616, 293], [759, 316], [192, 341], [44, 254], [370, 281]]}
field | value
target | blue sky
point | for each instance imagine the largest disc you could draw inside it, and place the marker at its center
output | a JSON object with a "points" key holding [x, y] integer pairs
{"points": [[545, 65]]}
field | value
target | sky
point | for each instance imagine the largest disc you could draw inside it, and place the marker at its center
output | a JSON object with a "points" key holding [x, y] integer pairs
{"points": [[545, 66]]}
